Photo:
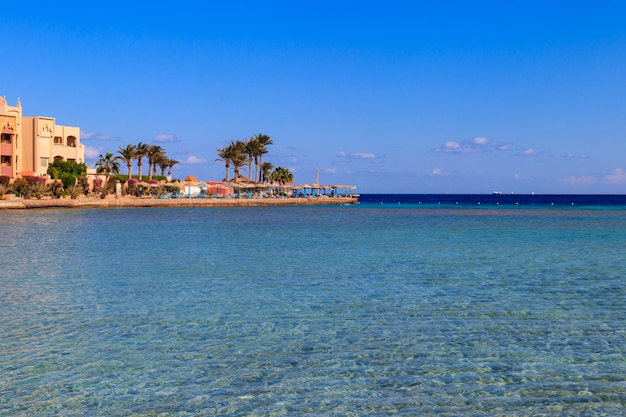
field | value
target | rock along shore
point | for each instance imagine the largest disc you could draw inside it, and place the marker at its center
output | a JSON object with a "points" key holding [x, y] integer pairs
{"points": [[172, 202]]}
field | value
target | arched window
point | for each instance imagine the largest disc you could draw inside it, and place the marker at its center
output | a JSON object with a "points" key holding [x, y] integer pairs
{"points": [[71, 141], [58, 158]]}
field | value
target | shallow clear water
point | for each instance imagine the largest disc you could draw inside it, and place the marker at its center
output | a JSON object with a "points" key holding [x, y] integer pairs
{"points": [[351, 311]]}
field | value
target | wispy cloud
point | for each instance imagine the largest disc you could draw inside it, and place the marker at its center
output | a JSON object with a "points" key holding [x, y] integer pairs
{"points": [[569, 155], [615, 177], [165, 138], [92, 152], [581, 180], [330, 170], [97, 136], [618, 176], [437, 172], [194, 160], [345, 156], [475, 145], [481, 144]]}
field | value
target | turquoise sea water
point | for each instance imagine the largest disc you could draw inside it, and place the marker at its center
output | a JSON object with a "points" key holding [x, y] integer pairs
{"points": [[368, 310]]}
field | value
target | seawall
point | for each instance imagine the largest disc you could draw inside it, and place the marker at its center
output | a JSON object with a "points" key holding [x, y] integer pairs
{"points": [[172, 202]]}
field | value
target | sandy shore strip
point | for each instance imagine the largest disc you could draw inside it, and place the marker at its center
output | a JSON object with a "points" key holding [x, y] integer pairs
{"points": [[172, 202]]}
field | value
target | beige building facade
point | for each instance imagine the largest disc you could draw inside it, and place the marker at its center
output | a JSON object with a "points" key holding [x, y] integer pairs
{"points": [[28, 144]]}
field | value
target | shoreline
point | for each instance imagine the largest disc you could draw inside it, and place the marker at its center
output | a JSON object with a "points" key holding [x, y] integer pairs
{"points": [[130, 202]]}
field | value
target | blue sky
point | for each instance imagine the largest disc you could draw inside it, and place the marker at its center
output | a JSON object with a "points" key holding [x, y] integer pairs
{"points": [[396, 96]]}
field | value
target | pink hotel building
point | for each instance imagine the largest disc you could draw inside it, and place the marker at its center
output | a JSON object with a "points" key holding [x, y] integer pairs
{"points": [[29, 143]]}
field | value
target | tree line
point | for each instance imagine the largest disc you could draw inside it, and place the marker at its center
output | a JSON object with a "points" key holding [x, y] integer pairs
{"points": [[235, 155], [109, 164]]}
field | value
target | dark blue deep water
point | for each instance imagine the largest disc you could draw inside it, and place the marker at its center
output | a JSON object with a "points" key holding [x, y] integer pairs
{"points": [[539, 200], [366, 310]]}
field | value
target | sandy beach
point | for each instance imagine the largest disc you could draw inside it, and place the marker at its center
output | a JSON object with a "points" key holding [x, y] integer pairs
{"points": [[124, 202]]}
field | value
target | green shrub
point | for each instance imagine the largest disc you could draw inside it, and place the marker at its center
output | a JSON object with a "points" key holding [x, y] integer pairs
{"points": [[57, 168], [22, 188], [74, 191], [56, 189], [67, 179], [39, 189], [83, 184]]}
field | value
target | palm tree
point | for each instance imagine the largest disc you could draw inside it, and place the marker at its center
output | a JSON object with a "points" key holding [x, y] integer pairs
{"points": [[142, 150], [238, 157], [263, 142], [232, 155], [128, 155], [252, 148], [266, 168], [168, 163], [224, 156], [158, 163], [154, 153], [163, 164], [107, 165], [282, 176]]}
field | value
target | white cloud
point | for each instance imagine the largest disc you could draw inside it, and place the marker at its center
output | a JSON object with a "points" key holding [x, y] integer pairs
{"points": [[357, 155], [618, 176], [569, 155], [438, 172], [517, 176], [452, 145], [364, 155], [91, 152], [96, 136], [480, 141], [530, 152], [477, 144], [193, 160], [582, 180], [165, 137], [330, 170]]}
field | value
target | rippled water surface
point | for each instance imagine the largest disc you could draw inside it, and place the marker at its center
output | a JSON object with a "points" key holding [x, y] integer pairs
{"points": [[347, 311]]}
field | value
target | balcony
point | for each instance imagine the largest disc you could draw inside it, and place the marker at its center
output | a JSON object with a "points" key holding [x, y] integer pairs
{"points": [[6, 148], [6, 170]]}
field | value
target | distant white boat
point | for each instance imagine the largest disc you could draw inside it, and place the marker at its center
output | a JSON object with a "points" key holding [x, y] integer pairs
{"points": [[497, 193]]}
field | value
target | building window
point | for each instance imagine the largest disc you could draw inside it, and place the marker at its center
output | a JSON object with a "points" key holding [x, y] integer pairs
{"points": [[58, 140], [6, 138], [71, 141], [43, 161], [5, 161]]}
